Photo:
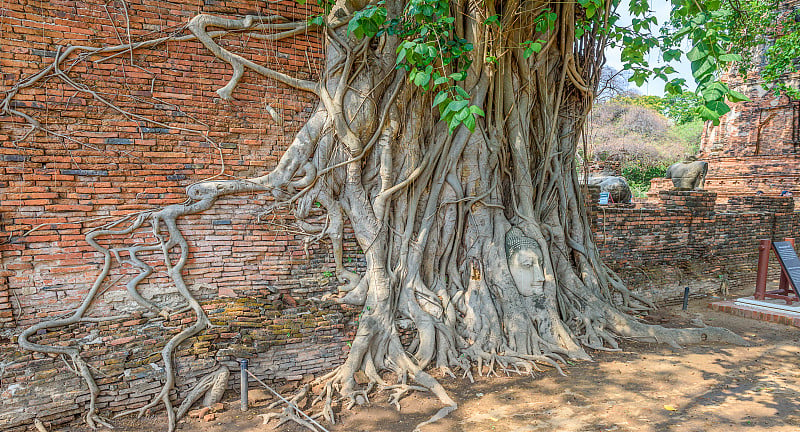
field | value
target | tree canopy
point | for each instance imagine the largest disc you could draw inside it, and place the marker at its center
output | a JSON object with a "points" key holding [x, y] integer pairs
{"points": [[718, 33]]}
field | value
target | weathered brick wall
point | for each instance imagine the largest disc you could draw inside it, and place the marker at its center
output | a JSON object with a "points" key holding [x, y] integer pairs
{"points": [[252, 277], [686, 239], [756, 146]]}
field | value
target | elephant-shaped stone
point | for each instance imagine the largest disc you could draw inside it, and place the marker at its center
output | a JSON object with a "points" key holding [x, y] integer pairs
{"points": [[617, 187], [688, 175]]}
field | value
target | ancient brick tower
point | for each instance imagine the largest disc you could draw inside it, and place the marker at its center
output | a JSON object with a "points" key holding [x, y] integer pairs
{"points": [[756, 147]]}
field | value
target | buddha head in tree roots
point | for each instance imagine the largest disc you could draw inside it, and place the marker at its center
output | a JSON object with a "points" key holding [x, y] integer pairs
{"points": [[524, 257]]}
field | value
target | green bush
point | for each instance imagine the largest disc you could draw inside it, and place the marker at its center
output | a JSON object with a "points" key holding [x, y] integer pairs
{"points": [[689, 134], [639, 174]]}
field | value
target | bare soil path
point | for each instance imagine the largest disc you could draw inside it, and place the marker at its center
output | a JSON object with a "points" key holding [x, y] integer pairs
{"points": [[647, 387]]}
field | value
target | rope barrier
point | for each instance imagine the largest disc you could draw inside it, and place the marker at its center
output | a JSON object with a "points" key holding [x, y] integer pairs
{"points": [[288, 402]]}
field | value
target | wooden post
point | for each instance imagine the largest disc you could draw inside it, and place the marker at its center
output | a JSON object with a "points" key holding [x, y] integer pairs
{"points": [[763, 265]]}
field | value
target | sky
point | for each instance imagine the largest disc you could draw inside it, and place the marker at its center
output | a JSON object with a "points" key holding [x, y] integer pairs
{"points": [[654, 87]]}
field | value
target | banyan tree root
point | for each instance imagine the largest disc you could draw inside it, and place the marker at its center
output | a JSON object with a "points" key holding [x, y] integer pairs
{"points": [[211, 388], [477, 245], [291, 411]]}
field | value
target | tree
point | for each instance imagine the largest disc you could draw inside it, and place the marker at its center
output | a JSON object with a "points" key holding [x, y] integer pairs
{"points": [[767, 35], [655, 103], [470, 215], [682, 108], [613, 83]]}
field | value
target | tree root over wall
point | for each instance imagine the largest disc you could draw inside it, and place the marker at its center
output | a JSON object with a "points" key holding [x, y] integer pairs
{"points": [[477, 243]]}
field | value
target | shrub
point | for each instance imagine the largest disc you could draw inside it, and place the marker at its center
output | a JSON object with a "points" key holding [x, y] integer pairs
{"points": [[639, 174]]}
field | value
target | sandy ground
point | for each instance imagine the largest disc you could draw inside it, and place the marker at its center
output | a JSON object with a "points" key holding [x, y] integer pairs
{"points": [[646, 387]]}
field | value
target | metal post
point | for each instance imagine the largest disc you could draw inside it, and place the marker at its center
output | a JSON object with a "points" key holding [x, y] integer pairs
{"points": [[685, 298], [243, 391], [763, 265]]}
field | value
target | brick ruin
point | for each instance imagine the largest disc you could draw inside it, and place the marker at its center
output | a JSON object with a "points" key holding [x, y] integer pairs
{"points": [[756, 146], [687, 238], [253, 273]]}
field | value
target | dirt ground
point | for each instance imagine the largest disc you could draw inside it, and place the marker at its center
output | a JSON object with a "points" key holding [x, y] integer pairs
{"points": [[646, 387]]}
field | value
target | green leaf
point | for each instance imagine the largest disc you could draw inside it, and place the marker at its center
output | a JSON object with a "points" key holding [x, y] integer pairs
{"points": [[532, 47], [672, 54], [469, 122], [713, 92], [735, 96], [730, 57], [441, 97], [352, 26], [702, 68], [457, 105], [717, 108], [698, 52], [494, 19], [474, 109], [452, 125], [422, 78], [318, 20], [462, 114]]}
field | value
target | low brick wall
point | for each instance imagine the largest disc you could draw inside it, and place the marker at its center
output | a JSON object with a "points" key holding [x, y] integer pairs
{"points": [[283, 343], [687, 239], [252, 279]]}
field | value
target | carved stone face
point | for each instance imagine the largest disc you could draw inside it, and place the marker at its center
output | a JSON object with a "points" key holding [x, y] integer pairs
{"points": [[525, 263]]}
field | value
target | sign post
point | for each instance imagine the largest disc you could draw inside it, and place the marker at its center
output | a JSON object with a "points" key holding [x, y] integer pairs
{"points": [[763, 266], [789, 288]]}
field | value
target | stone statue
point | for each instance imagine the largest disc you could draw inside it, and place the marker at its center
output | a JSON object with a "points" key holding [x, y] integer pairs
{"points": [[688, 175], [525, 262], [616, 186]]}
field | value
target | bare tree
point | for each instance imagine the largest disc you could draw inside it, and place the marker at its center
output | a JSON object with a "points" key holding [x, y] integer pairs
{"points": [[613, 83]]}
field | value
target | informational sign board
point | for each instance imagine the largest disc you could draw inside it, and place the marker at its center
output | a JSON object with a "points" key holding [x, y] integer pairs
{"points": [[604, 196], [790, 263]]}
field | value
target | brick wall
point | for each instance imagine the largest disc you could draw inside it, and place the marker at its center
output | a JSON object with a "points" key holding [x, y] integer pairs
{"points": [[251, 276], [688, 239]]}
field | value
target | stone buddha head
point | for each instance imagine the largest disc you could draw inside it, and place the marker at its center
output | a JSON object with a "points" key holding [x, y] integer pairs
{"points": [[525, 262]]}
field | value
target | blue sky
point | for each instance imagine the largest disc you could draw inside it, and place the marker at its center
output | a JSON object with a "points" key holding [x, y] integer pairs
{"points": [[655, 87]]}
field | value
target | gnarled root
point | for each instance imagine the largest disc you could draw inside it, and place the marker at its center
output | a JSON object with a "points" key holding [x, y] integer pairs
{"points": [[212, 386], [627, 326], [291, 412]]}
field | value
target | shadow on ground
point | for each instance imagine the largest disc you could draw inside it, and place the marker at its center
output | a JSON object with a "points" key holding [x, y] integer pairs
{"points": [[647, 387]]}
